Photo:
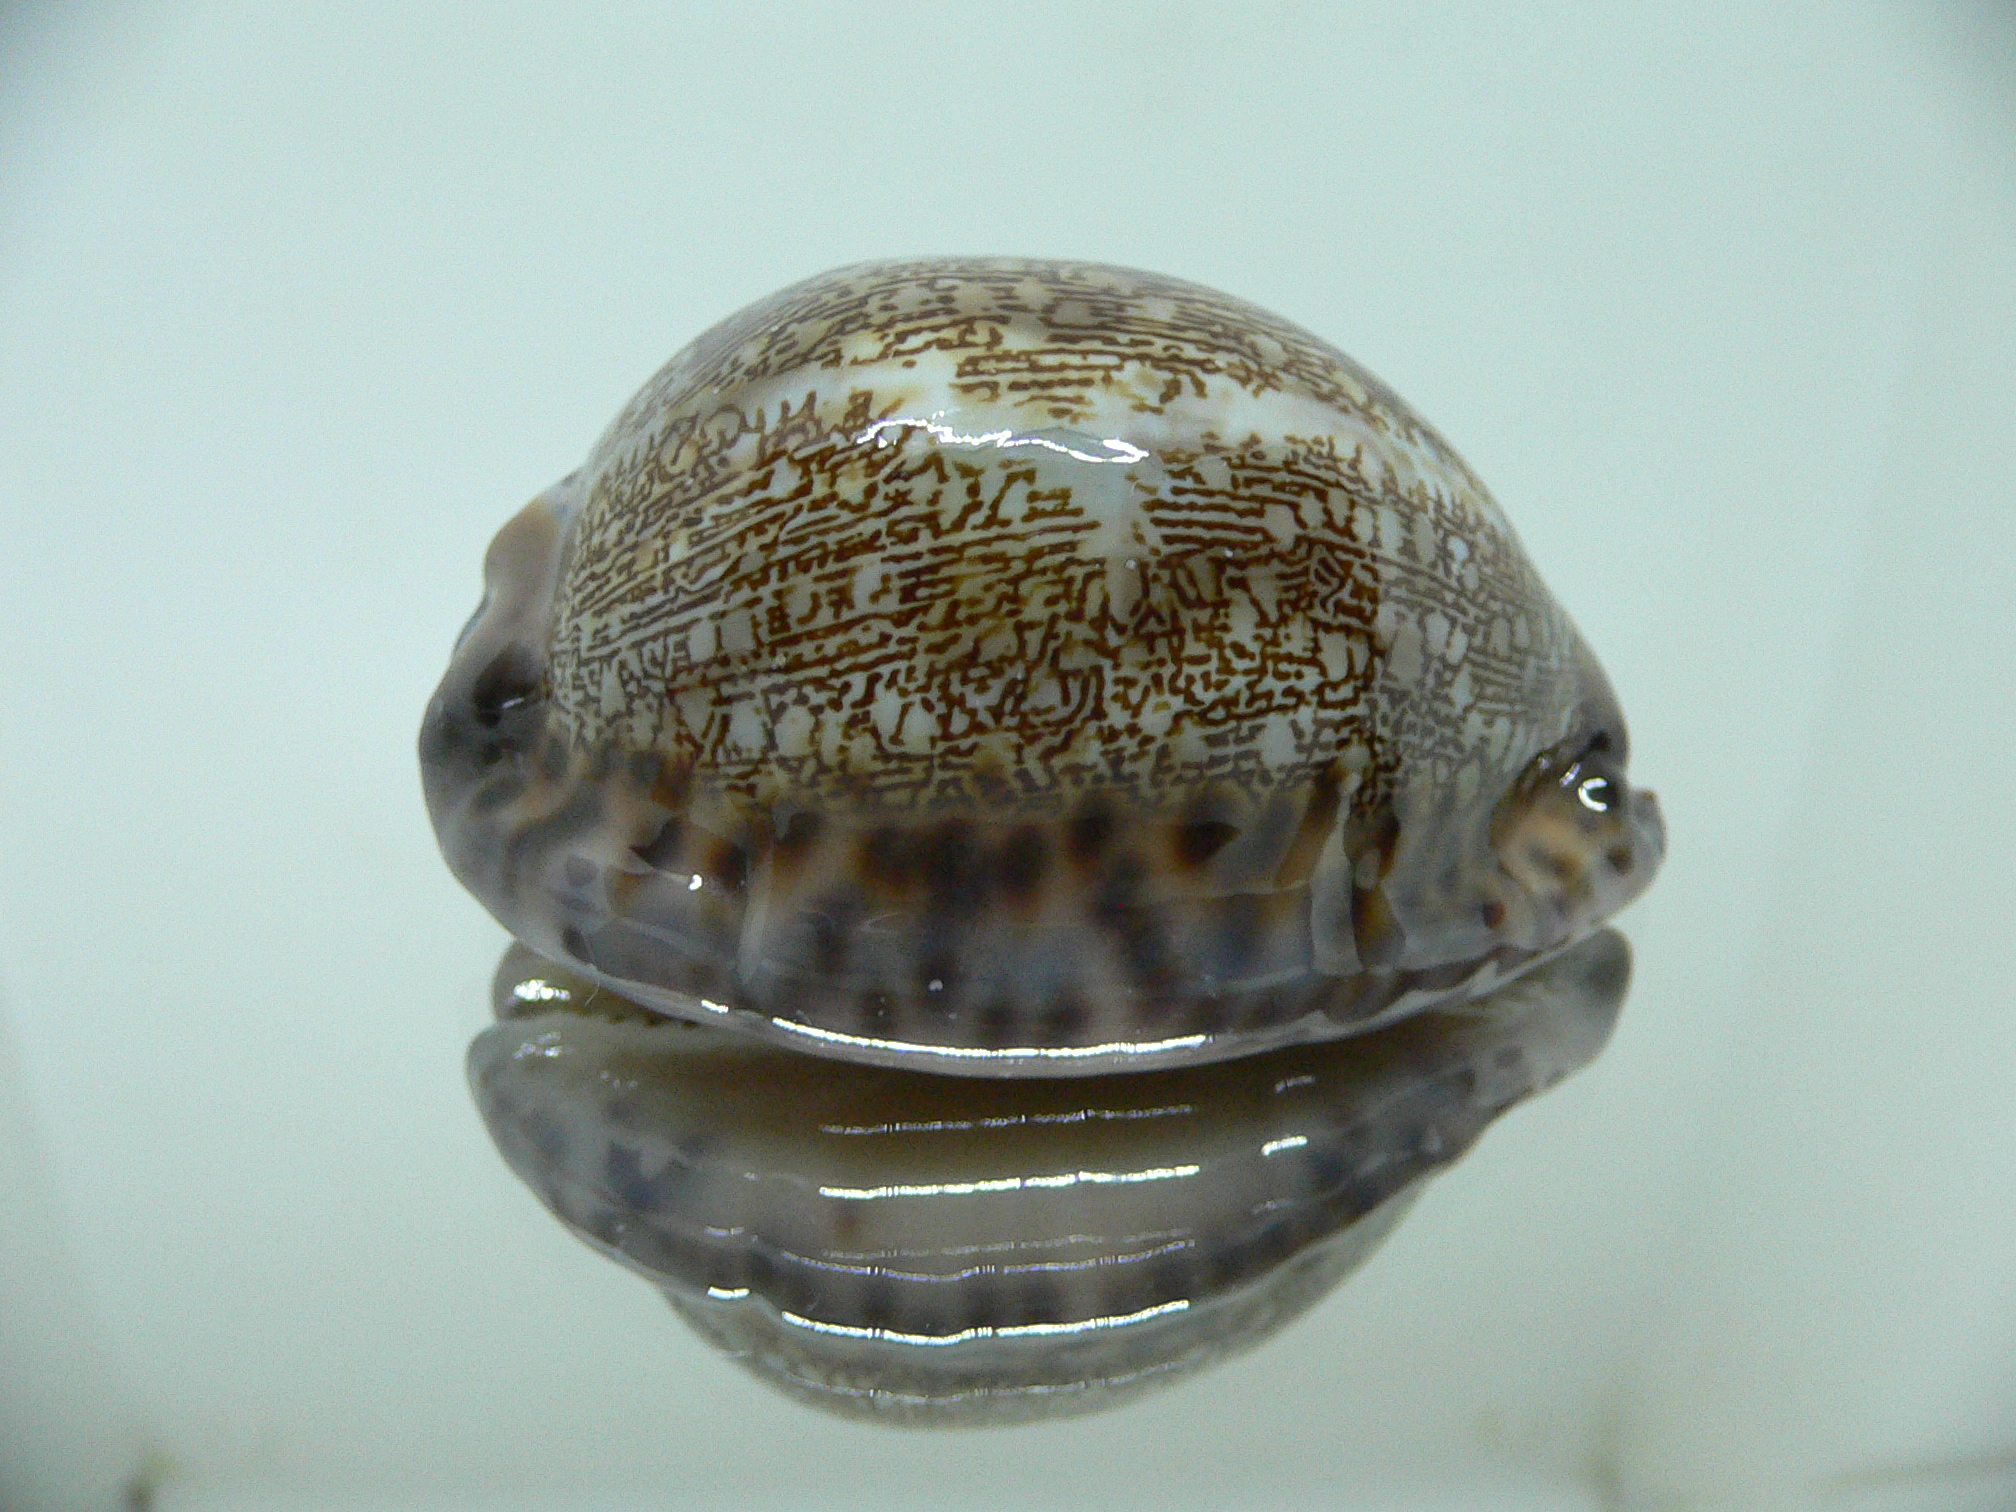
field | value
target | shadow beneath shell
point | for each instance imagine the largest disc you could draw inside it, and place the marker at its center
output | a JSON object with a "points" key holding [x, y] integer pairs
{"points": [[932, 1250]]}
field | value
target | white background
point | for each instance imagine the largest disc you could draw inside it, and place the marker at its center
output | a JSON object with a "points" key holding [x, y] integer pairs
{"points": [[297, 304]]}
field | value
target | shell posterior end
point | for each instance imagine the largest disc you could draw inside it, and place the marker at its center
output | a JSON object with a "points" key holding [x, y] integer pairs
{"points": [[1578, 840]]}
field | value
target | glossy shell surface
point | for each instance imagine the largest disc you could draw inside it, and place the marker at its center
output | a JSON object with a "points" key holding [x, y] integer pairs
{"points": [[1013, 667], [931, 1250]]}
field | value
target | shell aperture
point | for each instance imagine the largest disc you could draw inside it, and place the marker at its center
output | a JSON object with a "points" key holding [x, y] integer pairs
{"points": [[932, 1250], [1019, 668]]}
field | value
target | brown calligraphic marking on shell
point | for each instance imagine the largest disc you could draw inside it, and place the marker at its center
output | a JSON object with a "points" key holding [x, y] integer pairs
{"points": [[934, 1250], [1015, 667]]}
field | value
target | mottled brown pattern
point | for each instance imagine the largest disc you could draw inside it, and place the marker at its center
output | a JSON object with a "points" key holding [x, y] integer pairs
{"points": [[790, 610], [1042, 338], [1025, 667]]}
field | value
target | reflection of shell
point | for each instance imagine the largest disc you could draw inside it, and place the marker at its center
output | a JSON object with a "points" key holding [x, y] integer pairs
{"points": [[926, 1249], [1005, 666]]}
